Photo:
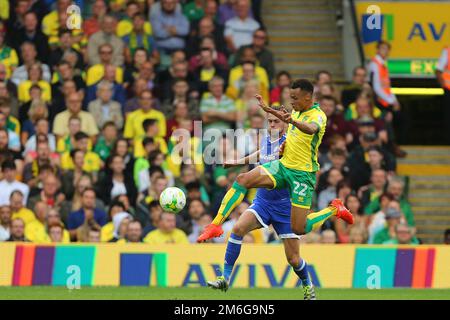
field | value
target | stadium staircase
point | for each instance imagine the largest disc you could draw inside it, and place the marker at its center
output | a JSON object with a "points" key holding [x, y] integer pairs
{"points": [[428, 169], [304, 37]]}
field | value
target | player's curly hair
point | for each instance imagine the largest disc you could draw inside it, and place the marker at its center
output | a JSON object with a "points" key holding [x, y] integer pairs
{"points": [[303, 84]]}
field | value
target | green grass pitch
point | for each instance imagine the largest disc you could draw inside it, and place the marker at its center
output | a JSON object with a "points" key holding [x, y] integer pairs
{"points": [[150, 293]]}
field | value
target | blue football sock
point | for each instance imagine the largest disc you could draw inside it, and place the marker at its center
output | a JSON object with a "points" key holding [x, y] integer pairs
{"points": [[231, 254], [302, 272]]}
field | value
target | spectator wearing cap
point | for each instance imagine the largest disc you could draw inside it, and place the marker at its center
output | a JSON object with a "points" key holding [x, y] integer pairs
{"points": [[167, 232], [378, 232], [106, 36], [92, 162], [18, 208], [264, 55], [87, 212], [120, 222], [5, 222], [396, 187], [133, 233], [403, 235], [170, 27], [17, 231], [10, 183], [104, 108]]}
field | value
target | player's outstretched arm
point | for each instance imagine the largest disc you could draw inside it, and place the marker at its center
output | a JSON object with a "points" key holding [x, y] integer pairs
{"points": [[266, 108], [251, 158]]}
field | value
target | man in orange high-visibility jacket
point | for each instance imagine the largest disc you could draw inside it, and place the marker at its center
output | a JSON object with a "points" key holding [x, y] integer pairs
{"points": [[384, 98], [443, 77]]}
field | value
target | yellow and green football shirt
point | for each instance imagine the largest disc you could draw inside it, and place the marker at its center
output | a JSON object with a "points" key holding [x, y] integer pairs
{"points": [[301, 149]]}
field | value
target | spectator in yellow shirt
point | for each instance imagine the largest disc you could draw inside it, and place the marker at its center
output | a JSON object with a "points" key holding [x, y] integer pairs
{"points": [[67, 143], [166, 232], [88, 124], [18, 210], [107, 231], [92, 162], [151, 129], [40, 230], [35, 73], [125, 26], [8, 56], [236, 86], [134, 123], [96, 72]]}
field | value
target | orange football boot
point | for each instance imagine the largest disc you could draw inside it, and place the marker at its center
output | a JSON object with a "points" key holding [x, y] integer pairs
{"points": [[210, 231]]}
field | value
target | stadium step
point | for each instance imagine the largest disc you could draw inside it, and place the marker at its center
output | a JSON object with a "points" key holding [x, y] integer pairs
{"points": [[428, 168], [304, 37]]}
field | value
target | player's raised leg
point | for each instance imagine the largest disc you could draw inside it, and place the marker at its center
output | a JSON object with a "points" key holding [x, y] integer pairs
{"points": [[246, 223], [302, 221], [299, 265], [255, 178]]}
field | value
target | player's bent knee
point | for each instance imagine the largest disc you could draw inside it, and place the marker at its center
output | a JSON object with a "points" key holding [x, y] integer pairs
{"points": [[299, 230], [239, 230]]}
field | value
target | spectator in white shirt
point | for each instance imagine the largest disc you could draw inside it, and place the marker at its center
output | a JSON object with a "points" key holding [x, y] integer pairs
{"points": [[239, 29], [9, 183], [5, 221]]}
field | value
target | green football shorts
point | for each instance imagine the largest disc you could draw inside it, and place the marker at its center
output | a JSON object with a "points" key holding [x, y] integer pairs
{"points": [[301, 184]]}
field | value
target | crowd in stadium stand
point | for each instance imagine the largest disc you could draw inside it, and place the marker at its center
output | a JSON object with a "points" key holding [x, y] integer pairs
{"points": [[87, 116]]}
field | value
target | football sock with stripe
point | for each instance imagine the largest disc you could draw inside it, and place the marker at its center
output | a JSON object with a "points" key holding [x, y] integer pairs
{"points": [[302, 272], [316, 219], [231, 254], [232, 199]]}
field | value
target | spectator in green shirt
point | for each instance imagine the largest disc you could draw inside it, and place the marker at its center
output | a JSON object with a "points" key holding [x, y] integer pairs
{"points": [[218, 111], [389, 233], [396, 187], [194, 10], [106, 141], [403, 235]]}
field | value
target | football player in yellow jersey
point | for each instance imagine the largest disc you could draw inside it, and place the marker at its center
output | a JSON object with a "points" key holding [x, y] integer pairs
{"points": [[295, 171]]}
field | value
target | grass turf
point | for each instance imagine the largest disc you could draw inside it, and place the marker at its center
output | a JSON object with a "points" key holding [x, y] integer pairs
{"points": [[146, 293]]}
